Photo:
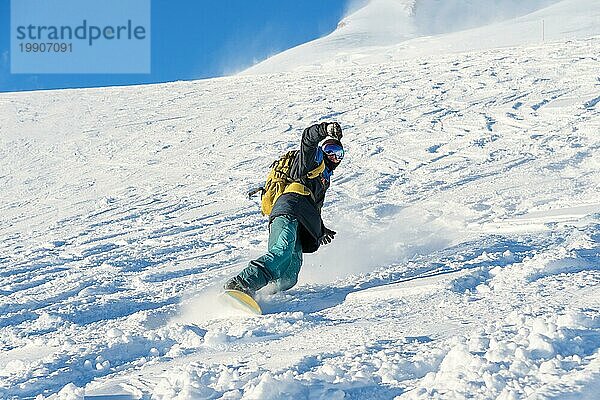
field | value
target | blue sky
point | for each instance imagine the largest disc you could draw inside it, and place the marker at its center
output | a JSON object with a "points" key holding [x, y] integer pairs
{"points": [[194, 39]]}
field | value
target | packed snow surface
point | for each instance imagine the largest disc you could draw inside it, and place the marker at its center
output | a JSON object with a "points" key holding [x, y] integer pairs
{"points": [[466, 265]]}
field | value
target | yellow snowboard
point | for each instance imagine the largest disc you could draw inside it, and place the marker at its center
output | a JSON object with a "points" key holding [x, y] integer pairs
{"points": [[242, 301]]}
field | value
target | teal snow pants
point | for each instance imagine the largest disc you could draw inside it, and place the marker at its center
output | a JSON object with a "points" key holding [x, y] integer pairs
{"points": [[282, 262]]}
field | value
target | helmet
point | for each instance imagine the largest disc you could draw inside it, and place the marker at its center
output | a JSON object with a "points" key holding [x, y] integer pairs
{"points": [[333, 147]]}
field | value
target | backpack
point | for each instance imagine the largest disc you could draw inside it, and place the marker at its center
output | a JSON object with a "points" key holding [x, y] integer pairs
{"points": [[279, 181]]}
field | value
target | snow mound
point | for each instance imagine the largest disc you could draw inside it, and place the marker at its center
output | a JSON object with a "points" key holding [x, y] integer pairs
{"points": [[385, 30]]}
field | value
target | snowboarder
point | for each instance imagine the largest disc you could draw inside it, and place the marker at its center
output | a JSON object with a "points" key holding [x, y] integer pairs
{"points": [[295, 224]]}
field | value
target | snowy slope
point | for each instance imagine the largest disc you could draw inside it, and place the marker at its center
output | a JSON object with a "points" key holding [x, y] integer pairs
{"points": [[467, 260], [385, 30]]}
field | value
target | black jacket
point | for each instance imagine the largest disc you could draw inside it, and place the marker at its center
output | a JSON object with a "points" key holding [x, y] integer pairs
{"points": [[307, 209]]}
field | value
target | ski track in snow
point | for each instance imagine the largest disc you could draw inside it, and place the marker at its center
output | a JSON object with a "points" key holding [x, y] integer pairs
{"points": [[467, 261]]}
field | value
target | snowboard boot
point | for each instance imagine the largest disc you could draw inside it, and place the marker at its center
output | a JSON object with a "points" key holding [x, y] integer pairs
{"points": [[237, 284]]}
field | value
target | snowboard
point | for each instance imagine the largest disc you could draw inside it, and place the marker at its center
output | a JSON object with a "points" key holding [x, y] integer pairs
{"points": [[242, 301]]}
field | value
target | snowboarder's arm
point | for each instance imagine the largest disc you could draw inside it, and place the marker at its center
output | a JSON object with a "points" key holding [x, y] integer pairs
{"points": [[309, 146]]}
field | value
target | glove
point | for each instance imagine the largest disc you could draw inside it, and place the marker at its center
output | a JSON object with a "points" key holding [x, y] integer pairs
{"points": [[334, 130], [327, 237]]}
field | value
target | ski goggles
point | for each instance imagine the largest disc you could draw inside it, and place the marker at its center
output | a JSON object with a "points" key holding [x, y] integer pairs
{"points": [[334, 149]]}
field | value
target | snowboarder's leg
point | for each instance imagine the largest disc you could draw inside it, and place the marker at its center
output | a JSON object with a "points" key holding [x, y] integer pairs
{"points": [[270, 267], [289, 277]]}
